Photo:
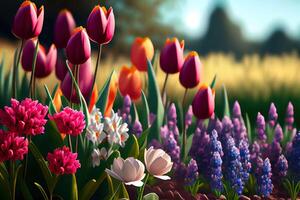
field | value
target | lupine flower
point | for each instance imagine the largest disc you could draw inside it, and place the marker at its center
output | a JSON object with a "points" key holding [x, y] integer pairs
{"points": [[63, 28], [245, 159], [101, 25], [141, 50], [278, 133], [215, 173], [69, 121], [204, 102], [28, 21], [264, 181], [45, 62], [192, 71], [26, 117], [137, 128], [272, 115], [191, 173], [129, 171], [98, 155], [261, 127], [12, 146], [281, 166], [236, 110], [289, 117], [171, 56], [78, 49], [188, 117], [63, 161], [60, 68], [158, 163], [131, 82], [294, 156]]}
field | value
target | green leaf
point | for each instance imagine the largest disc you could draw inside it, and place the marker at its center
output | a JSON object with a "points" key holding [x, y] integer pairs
{"points": [[131, 148], [133, 112], [74, 188], [123, 192], [249, 131], [226, 111], [4, 182], [103, 94], [144, 114], [52, 109], [151, 196], [41, 190], [212, 85], [86, 191], [25, 190], [142, 140], [155, 104], [111, 190], [189, 142]]}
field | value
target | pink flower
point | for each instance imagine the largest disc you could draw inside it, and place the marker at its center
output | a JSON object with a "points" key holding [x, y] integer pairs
{"points": [[12, 147], [63, 161], [25, 117], [69, 121]]}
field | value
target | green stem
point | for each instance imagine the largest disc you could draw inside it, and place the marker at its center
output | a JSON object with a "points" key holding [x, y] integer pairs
{"points": [[32, 77], [15, 69], [164, 86], [51, 189], [184, 137], [26, 160], [112, 197], [70, 142], [96, 71], [12, 178], [76, 144], [141, 192]]}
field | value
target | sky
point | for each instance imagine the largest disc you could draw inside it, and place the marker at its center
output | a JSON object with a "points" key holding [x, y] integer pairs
{"points": [[257, 18]]}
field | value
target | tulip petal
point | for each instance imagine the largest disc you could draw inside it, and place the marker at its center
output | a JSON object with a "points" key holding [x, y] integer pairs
{"points": [[135, 183], [113, 174], [163, 177]]}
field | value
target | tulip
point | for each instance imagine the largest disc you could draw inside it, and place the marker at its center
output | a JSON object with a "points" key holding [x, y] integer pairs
{"points": [[57, 99], [45, 62], [93, 99], [141, 50], [129, 171], [61, 69], [171, 56], [191, 72], [204, 102], [28, 21], [113, 88], [63, 28], [131, 83], [101, 25], [84, 83], [158, 163], [78, 49]]}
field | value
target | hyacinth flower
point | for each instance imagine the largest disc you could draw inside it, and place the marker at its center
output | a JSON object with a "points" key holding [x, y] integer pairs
{"points": [[215, 172], [172, 121], [188, 117], [236, 110], [294, 157], [273, 152], [278, 133], [255, 154], [227, 129], [265, 186], [281, 167], [245, 159], [289, 117], [272, 120], [261, 128], [171, 146]]}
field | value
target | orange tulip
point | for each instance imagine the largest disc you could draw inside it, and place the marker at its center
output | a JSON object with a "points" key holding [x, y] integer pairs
{"points": [[94, 98], [141, 50], [57, 99], [130, 82], [113, 88]]}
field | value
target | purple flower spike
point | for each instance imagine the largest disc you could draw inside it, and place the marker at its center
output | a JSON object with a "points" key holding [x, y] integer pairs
{"points": [[272, 115], [236, 110], [188, 117], [192, 173], [245, 159], [215, 174], [137, 128], [261, 127], [264, 181], [294, 156], [281, 166], [289, 118], [278, 133]]}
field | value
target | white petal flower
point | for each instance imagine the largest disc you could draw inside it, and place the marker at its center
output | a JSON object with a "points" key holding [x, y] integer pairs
{"points": [[96, 157]]}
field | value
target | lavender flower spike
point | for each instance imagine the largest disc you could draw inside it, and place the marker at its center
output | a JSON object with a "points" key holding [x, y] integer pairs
{"points": [[236, 110], [272, 115], [261, 127], [137, 128], [264, 181], [289, 118], [191, 173], [278, 133], [294, 156], [188, 117], [281, 166], [215, 174], [245, 159]]}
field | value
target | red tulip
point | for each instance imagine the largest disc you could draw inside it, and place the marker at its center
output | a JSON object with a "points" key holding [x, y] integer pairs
{"points": [[85, 83], [45, 62], [64, 26], [101, 25], [204, 102], [61, 69], [171, 56], [131, 83], [191, 72], [28, 21], [141, 50], [78, 48]]}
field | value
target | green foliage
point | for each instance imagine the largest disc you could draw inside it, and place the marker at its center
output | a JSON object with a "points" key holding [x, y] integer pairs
{"points": [[131, 148], [103, 94], [151, 196], [144, 114], [226, 111], [251, 185], [292, 188], [229, 192]]}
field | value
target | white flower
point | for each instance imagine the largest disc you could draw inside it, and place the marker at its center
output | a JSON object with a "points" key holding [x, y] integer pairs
{"points": [[98, 155], [95, 129], [95, 116]]}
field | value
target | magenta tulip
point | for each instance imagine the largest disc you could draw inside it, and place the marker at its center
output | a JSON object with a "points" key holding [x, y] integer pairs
{"points": [[28, 21], [61, 69], [85, 82], [204, 102], [192, 71], [171, 56], [45, 62], [101, 25], [78, 49], [64, 26]]}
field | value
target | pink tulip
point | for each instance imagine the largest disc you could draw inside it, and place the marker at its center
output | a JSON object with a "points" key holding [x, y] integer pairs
{"points": [[61, 69], [204, 102], [28, 21], [101, 25], [171, 56], [78, 49], [192, 71], [45, 62], [158, 163], [63, 28], [85, 82], [129, 171]]}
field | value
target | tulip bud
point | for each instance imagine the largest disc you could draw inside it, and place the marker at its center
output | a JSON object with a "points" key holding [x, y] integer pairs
{"points": [[61, 69], [57, 99], [85, 83], [78, 48], [141, 50], [171, 56], [131, 82], [28, 21], [94, 98], [191, 72], [64, 26], [101, 25], [204, 103], [44, 63]]}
